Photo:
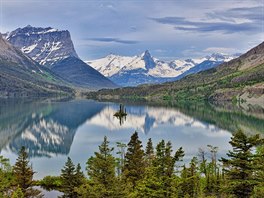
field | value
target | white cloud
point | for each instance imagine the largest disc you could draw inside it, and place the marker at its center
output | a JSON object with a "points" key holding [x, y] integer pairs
{"points": [[220, 50]]}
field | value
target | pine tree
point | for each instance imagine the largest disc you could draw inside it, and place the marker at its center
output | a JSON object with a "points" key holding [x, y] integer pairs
{"points": [[6, 177], [190, 180], [241, 165], [17, 193], [120, 160], [134, 161], [259, 175], [151, 186], [79, 176], [149, 153], [159, 161], [68, 177], [24, 175], [164, 164], [101, 170]]}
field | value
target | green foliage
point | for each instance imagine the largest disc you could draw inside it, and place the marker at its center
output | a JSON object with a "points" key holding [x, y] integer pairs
{"points": [[241, 165], [6, 176], [23, 173], [51, 182], [150, 186], [228, 81], [149, 153], [101, 171], [121, 159], [152, 174], [17, 193], [71, 178], [134, 161], [190, 183]]}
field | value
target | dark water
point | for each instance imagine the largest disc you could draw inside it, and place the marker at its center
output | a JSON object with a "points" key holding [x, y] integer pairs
{"points": [[53, 130]]}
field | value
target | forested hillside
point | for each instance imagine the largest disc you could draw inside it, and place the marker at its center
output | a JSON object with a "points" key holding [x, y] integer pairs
{"points": [[238, 79]]}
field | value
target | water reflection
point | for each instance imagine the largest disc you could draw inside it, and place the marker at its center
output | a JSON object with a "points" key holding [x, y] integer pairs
{"points": [[144, 119], [51, 130], [45, 128], [121, 114]]}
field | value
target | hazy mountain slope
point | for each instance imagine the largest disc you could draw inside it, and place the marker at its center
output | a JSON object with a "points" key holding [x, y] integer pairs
{"points": [[21, 76], [79, 74], [145, 69], [240, 78], [54, 49]]}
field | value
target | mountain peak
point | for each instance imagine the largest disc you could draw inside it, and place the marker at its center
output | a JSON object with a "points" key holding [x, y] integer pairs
{"points": [[146, 53], [148, 59], [44, 45]]}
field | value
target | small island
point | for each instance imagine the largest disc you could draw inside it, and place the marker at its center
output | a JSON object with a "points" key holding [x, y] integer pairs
{"points": [[121, 114]]}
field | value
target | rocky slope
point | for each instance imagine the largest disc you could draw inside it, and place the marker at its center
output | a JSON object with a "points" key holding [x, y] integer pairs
{"points": [[44, 45], [145, 69], [54, 49], [21, 76]]}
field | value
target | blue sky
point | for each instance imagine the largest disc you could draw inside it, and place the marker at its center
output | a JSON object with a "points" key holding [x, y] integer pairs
{"points": [[170, 29]]}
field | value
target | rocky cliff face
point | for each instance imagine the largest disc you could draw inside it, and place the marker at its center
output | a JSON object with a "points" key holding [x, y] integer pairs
{"points": [[21, 76], [44, 45], [9, 53], [54, 49]]}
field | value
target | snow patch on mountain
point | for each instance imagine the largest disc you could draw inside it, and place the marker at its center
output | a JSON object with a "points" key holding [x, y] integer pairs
{"points": [[131, 71], [44, 45]]}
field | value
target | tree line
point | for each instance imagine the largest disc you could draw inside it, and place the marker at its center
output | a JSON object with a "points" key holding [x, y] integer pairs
{"points": [[157, 171]]}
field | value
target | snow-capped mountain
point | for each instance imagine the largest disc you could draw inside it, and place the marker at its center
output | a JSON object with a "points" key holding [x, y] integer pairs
{"points": [[21, 76], [208, 62], [44, 45], [54, 49], [144, 68]]}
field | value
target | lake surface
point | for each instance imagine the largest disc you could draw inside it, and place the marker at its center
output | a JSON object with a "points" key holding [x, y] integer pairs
{"points": [[51, 130]]}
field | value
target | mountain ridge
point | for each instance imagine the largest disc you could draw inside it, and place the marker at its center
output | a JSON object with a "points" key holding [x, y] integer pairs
{"points": [[54, 49], [21, 76], [146, 69], [241, 79]]}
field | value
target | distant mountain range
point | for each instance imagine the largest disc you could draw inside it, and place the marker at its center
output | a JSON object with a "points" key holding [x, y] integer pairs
{"points": [[241, 79], [145, 69], [54, 50], [43, 62]]}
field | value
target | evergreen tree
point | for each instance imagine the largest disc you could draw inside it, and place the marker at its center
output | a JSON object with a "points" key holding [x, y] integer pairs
{"points": [[190, 180], [79, 176], [259, 175], [164, 164], [134, 161], [151, 186], [101, 170], [120, 160], [159, 161], [149, 153], [24, 175], [6, 177], [17, 193], [212, 172], [68, 178], [241, 165]]}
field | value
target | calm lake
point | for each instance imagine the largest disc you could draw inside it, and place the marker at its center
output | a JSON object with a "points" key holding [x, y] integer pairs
{"points": [[51, 130]]}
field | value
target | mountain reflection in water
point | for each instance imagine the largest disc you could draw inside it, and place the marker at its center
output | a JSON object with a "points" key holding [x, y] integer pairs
{"points": [[51, 130], [45, 128]]}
